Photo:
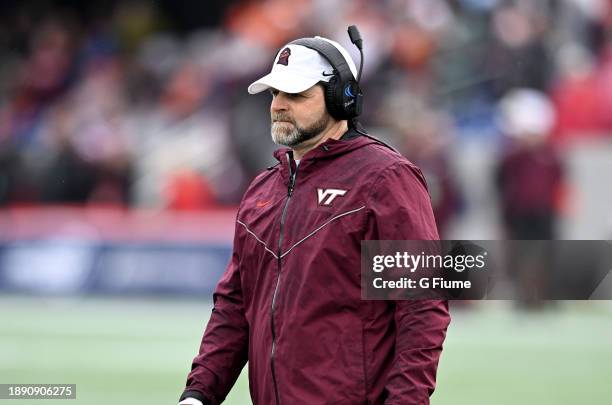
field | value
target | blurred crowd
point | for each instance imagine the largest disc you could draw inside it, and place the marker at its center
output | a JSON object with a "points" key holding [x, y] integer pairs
{"points": [[142, 104]]}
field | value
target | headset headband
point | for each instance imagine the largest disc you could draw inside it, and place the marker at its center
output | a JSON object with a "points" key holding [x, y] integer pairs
{"points": [[331, 53]]}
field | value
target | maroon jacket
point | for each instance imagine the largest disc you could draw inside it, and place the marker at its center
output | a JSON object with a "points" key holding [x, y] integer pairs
{"points": [[290, 299]]}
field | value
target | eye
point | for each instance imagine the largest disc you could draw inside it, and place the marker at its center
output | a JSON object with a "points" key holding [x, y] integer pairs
{"points": [[290, 96]]}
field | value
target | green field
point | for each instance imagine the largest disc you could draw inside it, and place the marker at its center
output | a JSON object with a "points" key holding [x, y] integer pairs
{"points": [[124, 351]]}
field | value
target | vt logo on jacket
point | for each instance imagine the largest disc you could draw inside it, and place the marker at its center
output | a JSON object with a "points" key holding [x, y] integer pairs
{"points": [[328, 195]]}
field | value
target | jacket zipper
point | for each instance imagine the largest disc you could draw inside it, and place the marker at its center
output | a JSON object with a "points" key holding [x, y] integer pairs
{"points": [[290, 189]]}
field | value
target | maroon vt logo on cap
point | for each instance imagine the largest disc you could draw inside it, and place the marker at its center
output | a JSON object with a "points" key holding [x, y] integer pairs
{"points": [[283, 58]]}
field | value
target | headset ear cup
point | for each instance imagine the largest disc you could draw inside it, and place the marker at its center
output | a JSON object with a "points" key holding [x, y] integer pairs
{"points": [[331, 99], [355, 107], [343, 100]]}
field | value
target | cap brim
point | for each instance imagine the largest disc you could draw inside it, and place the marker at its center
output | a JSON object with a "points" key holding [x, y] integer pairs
{"points": [[287, 82]]}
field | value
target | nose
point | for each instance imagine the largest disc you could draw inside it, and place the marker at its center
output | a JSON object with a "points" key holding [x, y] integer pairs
{"points": [[279, 102]]}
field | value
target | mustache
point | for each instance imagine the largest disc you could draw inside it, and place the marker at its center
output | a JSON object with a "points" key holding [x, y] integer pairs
{"points": [[281, 117]]}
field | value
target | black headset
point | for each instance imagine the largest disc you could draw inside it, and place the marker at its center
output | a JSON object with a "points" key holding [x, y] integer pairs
{"points": [[343, 96]]}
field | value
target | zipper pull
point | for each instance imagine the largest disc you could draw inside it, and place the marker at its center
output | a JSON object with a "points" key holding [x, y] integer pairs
{"points": [[292, 174], [291, 186]]}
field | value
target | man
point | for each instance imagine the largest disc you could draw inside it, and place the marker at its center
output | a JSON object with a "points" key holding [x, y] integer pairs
{"points": [[290, 299]]}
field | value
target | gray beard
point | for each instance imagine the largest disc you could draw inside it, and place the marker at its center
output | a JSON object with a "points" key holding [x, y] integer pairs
{"points": [[291, 136]]}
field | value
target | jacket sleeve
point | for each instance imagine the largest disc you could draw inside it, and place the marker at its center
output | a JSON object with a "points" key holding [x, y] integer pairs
{"points": [[400, 209], [224, 347]]}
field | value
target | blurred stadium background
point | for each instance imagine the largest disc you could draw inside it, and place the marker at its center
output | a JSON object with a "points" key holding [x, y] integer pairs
{"points": [[127, 139]]}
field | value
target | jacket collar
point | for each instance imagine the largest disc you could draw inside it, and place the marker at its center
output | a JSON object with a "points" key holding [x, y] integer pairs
{"points": [[329, 149]]}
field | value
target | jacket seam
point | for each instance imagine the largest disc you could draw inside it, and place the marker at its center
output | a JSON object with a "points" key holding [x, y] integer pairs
{"points": [[321, 227], [257, 238], [304, 238], [364, 362], [379, 178]]}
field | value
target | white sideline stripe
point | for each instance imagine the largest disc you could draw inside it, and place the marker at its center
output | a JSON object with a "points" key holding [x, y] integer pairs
{"points": [[319, 228], [255, 236]]}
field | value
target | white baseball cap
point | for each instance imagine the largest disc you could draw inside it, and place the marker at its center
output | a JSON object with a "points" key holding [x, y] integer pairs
{"points": [[297, 68]]}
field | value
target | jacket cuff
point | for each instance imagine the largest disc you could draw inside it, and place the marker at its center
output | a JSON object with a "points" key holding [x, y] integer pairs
{"points": [[197, 395]]}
